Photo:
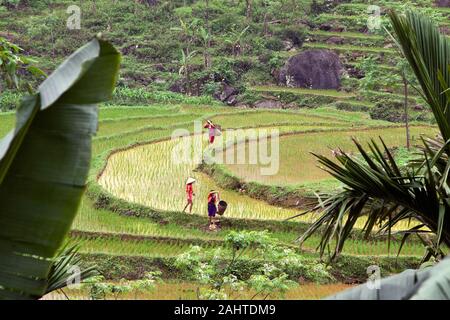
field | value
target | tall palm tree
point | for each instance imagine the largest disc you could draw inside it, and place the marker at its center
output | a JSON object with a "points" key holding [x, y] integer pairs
{"points": [[375, 187]]}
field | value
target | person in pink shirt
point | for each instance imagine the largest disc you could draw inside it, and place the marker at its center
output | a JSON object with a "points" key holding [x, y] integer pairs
{"points": [[212, 130]]}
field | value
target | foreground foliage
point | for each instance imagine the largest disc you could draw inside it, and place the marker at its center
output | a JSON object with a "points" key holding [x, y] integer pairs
{"points": [[47, 156], [375, 186], [217, 269], [13, 63]]}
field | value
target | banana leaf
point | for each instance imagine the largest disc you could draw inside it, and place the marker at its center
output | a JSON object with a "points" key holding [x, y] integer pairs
{"points": [[44, 163]]}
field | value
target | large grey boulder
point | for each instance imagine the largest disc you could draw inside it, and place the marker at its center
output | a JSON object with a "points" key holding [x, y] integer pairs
{"points": [[315, 69]]}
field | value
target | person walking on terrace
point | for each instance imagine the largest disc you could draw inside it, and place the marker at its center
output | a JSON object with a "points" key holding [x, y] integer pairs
{"points": [[189, 194], [213, 199], [212, 130]]}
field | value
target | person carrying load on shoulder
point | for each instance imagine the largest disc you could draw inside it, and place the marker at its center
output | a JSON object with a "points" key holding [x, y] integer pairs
{"points": [[212, 130], [213, 199], [189, 194]]}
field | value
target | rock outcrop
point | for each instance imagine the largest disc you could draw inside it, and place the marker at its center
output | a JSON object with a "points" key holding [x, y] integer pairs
{"points": [[315, 69], [227, 94], [178, 86]]}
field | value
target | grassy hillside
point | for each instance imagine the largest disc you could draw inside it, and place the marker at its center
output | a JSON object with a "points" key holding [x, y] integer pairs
{"points": [[229, 42], [130, 218]]}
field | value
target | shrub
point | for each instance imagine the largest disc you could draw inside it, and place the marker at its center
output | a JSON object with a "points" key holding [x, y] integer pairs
{"points": [[223, 267], [274, 44], [9, 100], [389, 110], [276, 61], [342, 105], [210, 88], [249, 97], [129, 96]]}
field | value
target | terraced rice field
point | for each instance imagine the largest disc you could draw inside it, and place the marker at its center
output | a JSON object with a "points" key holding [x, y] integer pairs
{"points": [[136, 187], [156, 181], [297, 164], [92, 221], [157, 177], [145, 174]]}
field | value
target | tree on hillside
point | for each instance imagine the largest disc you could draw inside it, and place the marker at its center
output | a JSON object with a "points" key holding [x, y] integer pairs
{"points": [[249, 9], [375, 187], [408, 79], [402, 76], [234, 38], [188, 33], [206, 36], [185, 63]]}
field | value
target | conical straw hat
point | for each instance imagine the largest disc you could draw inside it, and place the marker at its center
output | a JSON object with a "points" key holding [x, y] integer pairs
{"points": [[190, 180]]}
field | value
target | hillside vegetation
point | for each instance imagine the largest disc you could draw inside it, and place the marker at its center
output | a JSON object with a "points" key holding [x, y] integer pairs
{"points": [[239, 45], [186, 61]]}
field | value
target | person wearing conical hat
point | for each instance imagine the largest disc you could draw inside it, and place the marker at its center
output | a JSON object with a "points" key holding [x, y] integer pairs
{"points": [[189, 194]]}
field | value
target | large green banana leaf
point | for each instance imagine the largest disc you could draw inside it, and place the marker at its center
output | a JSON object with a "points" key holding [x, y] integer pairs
{"points": [[432, 283], [44, 164]]}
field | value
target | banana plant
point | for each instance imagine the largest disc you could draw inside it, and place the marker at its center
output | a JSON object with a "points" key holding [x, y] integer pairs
{"points": [[12, 62], [185, 61], [235, 40], [44, 163]]}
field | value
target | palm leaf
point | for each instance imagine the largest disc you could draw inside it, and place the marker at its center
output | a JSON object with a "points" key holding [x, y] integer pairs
{"points": [[44, 164], [377, 190], [375, 187], [61, 274], [428, 54]]}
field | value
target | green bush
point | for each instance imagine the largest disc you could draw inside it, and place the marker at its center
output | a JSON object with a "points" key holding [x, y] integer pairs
{"points": [[249, 97], [9, 100], [389, 110], [274, 44], [271, 266], [210, 88], [141, 96], [342, 105], [295, 34], [304, 100]]}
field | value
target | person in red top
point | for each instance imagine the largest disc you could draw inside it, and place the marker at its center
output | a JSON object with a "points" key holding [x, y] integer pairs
{"points": [[189, 194], [213, 199], [212, 130]]}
